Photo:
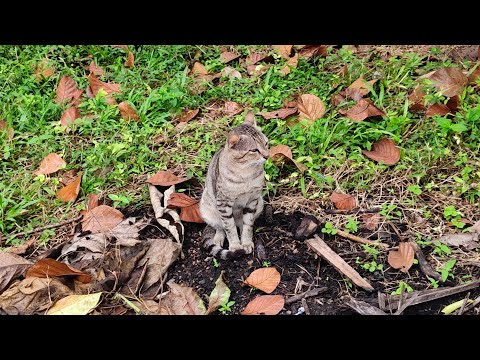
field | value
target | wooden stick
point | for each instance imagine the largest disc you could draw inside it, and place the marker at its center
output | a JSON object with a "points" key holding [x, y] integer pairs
{"points": [[38, 229], [308, 293], [460, 312], [322, 249], [424, 265], [472, 305], [360, 240], [364, 308], [353, 211]]}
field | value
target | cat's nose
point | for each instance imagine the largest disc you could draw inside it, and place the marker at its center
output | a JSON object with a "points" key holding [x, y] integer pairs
{"points": [[265, 154]]}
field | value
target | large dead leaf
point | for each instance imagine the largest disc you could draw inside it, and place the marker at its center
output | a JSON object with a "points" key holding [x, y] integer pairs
{"points": [[75, 304], [402, 259], [265, 279], [371, 221], [453, 103], [109, 88], [49, 268], [103, 218], [278, 114], [130, 60], [50, 164], [69, 116], [20, 249], [466, 240], [32, 295], [255, 57], [228, 56], [95, 69], [291, 64], [181, 300], [265, 305], [4, 127], [384, 150], [70, 192], [44, 69], [312, 51], [165, 178], [437, 109], [310, 107], [284, 50], [188, 115], [127, 112], [232, 108], [257, 69], [343, 201], [127, 232], [281, 152], [219, 295], [199, 71], [362, 110], [359, 88], [416, 100], [190, 210], [66, 89], [450, 81], [11, 267], [94, 245]]}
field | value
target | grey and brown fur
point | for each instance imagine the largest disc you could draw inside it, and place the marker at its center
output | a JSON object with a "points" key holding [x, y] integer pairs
{"points": [[232, 197]]}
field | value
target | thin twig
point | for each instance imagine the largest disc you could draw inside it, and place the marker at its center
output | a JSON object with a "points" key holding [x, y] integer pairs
{"points": [[423, 263], [472, 305], [460, 312], [38, 229], [305, 306], [353, 211], [360, 240], [142, 276], [308, 293]]}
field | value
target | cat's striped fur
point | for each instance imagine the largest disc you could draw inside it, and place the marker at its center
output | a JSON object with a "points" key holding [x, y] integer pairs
{"points": [[232, 197]]}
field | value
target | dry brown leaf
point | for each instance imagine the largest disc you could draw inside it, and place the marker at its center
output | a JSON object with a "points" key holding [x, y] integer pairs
{"points": [[95, 69], [437, 109], [228, 56], [11, 267], [103, 218], [290, 103], [190, 210], [284, 50], [265, 305], [165, 178], [50, 164], [123, 47], [70, 192], [453, 103], [450, 81], [337, 99], [265, 279], [130, 60], [92, 201], [312, 51], [127, 112], [278, 114], [69, 116], [109, 88], [469, 241], [371, 221], [181, 300], [4, 127], [257, 69], [361, 85], [66, 89], [254, 58], [231, 73], [310, 107], [472, 78], [44, 69], [384, 150], [231, 108], [48, 268], [280, 152], [343, 201], [362, 110], [403, 258], [416, 100], [21, 249], [291, 64], [188, 115], [199, 71]]}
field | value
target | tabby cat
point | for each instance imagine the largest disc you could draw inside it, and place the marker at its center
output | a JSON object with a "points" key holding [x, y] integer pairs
{"points": [[232, 197]]}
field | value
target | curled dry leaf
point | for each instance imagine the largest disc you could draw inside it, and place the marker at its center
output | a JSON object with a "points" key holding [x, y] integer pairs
{"points": [[310, 107], [48, 268], [453, 103], [228, 56], [103, 218], [231, 73], [165, 178], [278, 114], [188, 115], [362, 85], [343, 201], [362, 110], [181, 300], [69, 116], [280, 152], [265, 279], [437, 109], [4, 127], [265, 305], [284, 50], [312, 51], [384, 150], [291, 64], [130, 60], [231, 108], [50, 164], [190, 210], [11, 267], [219, 295], [371, 221], [75, 304], [66, 89], [402, 258], [70, 192], [109, 88], [95, 69], [255, 57], [127, 111], [450, 81]]}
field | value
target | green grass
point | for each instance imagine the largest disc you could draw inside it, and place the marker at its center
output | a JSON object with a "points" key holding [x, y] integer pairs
{"points": [[116, 155]]}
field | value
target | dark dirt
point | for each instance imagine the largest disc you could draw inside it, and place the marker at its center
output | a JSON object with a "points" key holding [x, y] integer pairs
{"points": [[301, 270]]}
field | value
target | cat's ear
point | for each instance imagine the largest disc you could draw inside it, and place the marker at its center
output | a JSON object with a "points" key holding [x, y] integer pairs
{"points": [[250, 118], [233, 139]]}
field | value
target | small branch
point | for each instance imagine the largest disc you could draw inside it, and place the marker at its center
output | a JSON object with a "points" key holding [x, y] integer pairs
{"points": [[462, 309], [360, 240], [353, 211], [472, 305], [423, 263], [364, 308], [39, 229], [306, 294]]}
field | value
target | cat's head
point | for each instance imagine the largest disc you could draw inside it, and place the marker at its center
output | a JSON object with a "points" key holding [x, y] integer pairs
{"points": [[247, 143]]}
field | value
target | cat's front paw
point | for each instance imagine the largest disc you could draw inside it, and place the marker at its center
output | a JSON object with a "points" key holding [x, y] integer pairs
{"points": [[248, 246], [235, 246]]}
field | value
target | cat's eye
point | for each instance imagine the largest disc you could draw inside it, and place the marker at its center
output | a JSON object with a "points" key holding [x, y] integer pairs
{"points": [[255, 150]]}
